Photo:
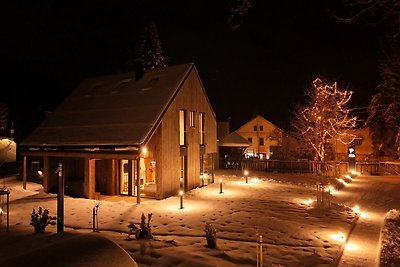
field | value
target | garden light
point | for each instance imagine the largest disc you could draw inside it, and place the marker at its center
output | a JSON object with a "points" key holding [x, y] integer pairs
{"points": [[181, 198]]}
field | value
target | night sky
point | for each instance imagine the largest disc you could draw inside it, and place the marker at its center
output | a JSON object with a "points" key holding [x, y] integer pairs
{"points": [[262, 67]]}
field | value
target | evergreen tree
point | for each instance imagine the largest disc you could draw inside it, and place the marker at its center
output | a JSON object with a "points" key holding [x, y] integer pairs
{"points": [[149, 55], [3, 115], [384, 118]]}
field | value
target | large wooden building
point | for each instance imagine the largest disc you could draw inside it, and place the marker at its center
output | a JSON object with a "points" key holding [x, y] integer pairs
{"points": [[116, 135]]}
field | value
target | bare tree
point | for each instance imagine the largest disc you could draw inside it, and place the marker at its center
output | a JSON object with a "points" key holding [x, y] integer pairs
{"points": [[237, 12], [374, 12], [325, 117]]}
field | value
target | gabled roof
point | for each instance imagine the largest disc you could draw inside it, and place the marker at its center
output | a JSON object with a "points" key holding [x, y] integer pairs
{"points": [[233, 140], [255, 119], [114, 110]]}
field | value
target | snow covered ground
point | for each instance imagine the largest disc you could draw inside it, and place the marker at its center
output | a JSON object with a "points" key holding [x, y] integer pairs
{"points": [[295, 231]]}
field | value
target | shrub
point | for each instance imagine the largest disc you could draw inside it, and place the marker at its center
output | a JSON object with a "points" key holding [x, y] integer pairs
{"points": [[40, 219], [211, 235], [145, 229]]}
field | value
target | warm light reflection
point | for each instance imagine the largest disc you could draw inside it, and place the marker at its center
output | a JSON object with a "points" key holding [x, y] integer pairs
{"points": [[338, 237], [356, 209], [40, 173], [341, 181], [364, 215], [332, 190], [255, 180], [351, 246], [348, 177], [308, 201], [144, 151], [355, 173]]}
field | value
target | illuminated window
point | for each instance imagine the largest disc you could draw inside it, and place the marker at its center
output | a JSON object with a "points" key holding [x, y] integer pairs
{"points": [[261, 141], [261, 128], [255, 128], [182, 127], [202, 128], [192, 119], [250, 140]]}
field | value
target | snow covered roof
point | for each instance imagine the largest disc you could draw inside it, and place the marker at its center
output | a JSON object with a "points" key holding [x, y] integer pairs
{"points": [[233, 140], [112, 110]]}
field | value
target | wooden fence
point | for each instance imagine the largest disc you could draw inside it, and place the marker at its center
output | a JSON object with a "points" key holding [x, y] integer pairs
{"points": [[328, 168]]}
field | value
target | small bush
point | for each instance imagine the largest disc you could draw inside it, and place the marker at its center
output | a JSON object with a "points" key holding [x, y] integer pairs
{"points": [[339, 186], [145, 229], [40, 219], [211, 235]]}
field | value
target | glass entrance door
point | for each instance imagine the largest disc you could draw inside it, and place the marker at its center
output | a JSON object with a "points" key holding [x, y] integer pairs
{"points": [[128, 177]]}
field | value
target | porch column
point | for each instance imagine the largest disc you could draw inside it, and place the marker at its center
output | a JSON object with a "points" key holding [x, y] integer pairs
{"points": [[46, 173], [24, 174], [90, 174], [138, 180]]}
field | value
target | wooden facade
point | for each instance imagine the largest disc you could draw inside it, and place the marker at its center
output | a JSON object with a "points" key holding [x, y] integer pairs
{"points": [[143, 159]]}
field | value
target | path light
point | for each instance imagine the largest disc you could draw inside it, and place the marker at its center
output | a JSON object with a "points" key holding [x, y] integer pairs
{"points": [[220, 186], [246, 175], [181, 198], [356, 209], [308, 201], [351, 246], [338, 237]]}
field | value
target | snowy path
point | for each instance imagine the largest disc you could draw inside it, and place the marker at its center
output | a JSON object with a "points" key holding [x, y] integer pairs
{"points": [[375, 195]]}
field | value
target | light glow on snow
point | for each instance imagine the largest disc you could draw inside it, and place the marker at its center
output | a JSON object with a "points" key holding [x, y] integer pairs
{"points": [[307, 201], [351, 247], [338, 237]]}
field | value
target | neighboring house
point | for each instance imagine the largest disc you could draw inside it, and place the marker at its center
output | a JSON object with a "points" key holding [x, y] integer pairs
{"points": [[362, 144], [119, 136], [231, 150], [262, 136]]}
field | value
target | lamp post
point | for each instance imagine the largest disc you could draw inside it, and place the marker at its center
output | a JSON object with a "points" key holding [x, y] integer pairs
{"points": [[246, 173], [220, 186], [181, 198]]}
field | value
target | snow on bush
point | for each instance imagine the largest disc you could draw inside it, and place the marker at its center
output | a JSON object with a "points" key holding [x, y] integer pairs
{"points": [[390, 250]]}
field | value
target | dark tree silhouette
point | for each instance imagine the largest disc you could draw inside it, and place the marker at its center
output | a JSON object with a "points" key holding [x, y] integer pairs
{"points": [[384, 117], [3, 115], [149, 54]]}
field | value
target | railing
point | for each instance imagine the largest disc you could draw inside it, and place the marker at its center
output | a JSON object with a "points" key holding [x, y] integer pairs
{"points": [[327, 168]]}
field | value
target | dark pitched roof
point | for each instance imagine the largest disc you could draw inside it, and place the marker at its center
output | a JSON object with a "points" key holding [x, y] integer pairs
{"points": [[111, 110], [233, 140]]}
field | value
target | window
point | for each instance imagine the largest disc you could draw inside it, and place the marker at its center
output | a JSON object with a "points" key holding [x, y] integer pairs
{"points": [[192, 119], [357, 142], [261, 141], [261, 128], [202, 128], [255, 128], [182, 127], [250, 140]]}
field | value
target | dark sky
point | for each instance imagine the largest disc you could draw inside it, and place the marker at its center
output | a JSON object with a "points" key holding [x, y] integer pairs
{"points": [[263, 67]]}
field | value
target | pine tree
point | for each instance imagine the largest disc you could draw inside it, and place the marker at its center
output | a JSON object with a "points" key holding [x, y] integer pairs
{"points": [[3, 115], [149, 55], [384, 117]]}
